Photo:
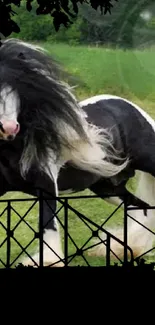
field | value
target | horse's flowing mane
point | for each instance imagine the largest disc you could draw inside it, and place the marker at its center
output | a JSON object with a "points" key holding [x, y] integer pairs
{"points": [[53, 124]]}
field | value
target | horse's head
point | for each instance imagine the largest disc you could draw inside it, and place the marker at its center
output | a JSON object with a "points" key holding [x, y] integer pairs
{"points": [[22, 68], [9, 107], [34, 101]]}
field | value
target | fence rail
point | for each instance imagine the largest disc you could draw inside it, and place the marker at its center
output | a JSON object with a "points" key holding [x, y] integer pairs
{"points": [[9, 256]]}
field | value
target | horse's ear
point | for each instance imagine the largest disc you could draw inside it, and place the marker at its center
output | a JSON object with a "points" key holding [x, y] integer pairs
{"points": [[21, 56]]}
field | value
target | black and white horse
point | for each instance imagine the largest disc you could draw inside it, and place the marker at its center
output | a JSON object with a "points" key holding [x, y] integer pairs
{"points": [[50, 141]]}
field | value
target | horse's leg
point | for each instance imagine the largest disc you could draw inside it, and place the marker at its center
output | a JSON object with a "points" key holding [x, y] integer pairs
{"points": [[52, 242], [138, 237], [52, 250], [51, 234]]}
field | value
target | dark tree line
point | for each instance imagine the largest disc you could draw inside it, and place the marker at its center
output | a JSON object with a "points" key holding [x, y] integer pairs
{"points": [[62, 12], [113, 22]]}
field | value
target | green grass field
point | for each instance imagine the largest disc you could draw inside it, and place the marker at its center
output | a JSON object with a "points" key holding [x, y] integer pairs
{"points": [[129, 74]]}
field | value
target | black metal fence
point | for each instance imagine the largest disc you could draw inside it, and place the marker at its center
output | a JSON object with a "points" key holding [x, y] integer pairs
{"points": [[11, 256]]}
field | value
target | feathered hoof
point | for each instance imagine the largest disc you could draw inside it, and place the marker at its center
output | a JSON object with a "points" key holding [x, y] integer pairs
{"points": [[118, 252]]}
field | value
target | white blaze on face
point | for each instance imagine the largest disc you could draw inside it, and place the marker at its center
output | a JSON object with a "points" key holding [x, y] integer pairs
{"points": [[9, 106]]}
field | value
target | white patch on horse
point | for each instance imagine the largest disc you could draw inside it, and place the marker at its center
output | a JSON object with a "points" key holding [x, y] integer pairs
{"points": [[9, 103], [113, 200], [26, 44], [52, 171], [68, 191], [53, 168]]}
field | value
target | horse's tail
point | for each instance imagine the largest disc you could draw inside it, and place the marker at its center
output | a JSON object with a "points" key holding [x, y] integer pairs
{"points": [[139, 238]]}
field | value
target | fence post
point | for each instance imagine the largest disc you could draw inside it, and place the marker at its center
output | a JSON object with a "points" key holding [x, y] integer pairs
{"points": [[41, 230], [125, 231], [66, 231], [108, 251], [8, 234]]}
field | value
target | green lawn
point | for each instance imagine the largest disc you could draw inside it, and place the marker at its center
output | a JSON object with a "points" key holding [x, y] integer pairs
{"points": [[124, 73]]}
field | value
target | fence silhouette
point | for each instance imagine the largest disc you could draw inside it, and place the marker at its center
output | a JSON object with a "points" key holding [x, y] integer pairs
{"points": [[9, 236]]}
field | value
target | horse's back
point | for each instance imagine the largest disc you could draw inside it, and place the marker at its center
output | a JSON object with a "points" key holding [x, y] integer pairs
{"points": [[132, 128], [107, 110]]}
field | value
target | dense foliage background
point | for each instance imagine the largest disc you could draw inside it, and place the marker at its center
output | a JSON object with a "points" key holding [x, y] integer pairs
{"points": [[130, 24]]}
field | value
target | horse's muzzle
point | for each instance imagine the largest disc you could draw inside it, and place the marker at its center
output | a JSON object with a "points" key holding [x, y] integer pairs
{"points": [[9, 129]]}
